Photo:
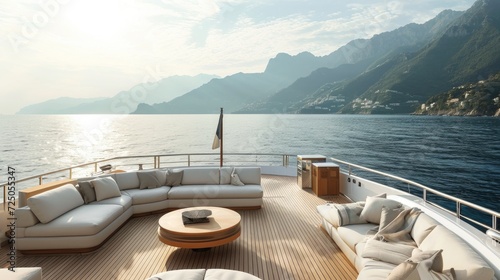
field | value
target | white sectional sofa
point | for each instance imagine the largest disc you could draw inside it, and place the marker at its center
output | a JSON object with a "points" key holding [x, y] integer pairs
{"points": [[430, 250], [80, 218]]}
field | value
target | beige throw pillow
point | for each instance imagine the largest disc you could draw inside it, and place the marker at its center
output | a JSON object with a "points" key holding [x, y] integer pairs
{"points": [[388, 215], [87, 191], [174, 177], [419, 266], [373, 208], [148, 180], [105, 188]]}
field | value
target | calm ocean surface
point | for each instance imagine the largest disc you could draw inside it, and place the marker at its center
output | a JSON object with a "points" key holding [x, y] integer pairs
{"points": [[456, 155]]}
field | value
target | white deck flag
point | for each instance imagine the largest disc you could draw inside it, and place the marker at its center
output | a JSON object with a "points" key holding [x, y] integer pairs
{"points": [[218, 134]]}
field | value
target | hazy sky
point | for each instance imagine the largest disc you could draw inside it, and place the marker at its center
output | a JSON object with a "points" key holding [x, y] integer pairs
{"points": [[93, 48]]}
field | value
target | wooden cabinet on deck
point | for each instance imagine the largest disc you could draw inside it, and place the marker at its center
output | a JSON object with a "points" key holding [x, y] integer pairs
{"points": [[325, 178]]}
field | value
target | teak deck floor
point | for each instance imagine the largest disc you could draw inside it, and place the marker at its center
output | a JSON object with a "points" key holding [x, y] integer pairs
{"points": [[283, 240]]}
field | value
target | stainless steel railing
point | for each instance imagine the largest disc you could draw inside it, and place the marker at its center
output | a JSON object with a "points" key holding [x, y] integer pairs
{"points": [[425, 190]]}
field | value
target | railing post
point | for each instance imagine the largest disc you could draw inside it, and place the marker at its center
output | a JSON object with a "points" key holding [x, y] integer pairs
{"points": [[458, 210], [95, 167], [189, 160], [70, 172], [424, 195], [39, 180]]}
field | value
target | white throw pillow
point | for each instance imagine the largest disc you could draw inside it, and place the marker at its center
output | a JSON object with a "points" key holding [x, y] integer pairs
{"points": [[388, 215], [105, 188], [51, 204], [235, 180], [373, 208]]}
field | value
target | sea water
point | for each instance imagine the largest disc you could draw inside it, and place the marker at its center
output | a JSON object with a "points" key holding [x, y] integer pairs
{"points": [[459, 156]]}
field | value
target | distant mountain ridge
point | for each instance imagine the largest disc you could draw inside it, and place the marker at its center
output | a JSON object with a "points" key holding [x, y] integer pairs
{"points": [[124, 102]]}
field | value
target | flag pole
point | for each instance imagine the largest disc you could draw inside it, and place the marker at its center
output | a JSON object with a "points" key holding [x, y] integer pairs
{"points": [[221, 135]]}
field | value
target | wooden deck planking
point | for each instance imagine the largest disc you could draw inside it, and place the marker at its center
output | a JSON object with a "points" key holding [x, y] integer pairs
{"points": [[282, 240]]}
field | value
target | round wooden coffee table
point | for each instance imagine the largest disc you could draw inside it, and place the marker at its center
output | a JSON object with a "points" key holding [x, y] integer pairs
{"points": [[223, 227]]}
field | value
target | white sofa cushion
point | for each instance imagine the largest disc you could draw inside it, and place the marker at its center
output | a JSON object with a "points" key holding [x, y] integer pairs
{"points": [[88, 219], [148, 195], [215, 191], [127, 180], [123, 200], [25, 217], [53, 203], [248, 175], [373, 208], [353, 234], [422, 227], [375, 270], [105, 188], [200, 176], [456, 254]]}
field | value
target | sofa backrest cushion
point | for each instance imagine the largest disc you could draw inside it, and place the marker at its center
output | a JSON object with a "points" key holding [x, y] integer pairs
{"points": [[105, 188], [422, 227], [248, 175], [127, 180], [456, 254], [200, 176], [51, 204]]}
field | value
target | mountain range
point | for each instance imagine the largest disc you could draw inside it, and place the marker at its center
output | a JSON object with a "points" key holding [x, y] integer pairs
{"points": [[393, 72], [124, 102]]}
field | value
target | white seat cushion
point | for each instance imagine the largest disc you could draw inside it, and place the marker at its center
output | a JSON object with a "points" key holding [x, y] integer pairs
{"points": [[215, 191], [353, 234], [374, 270], [147, 195], [87, 219], [53, 203], [124, 200]]}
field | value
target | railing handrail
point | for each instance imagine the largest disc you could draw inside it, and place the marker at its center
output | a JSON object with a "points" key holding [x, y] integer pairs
{"points": [[458, 201], [69, 169]]}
